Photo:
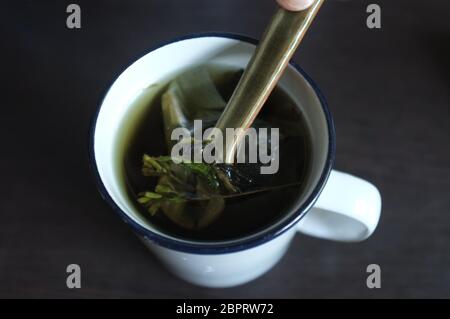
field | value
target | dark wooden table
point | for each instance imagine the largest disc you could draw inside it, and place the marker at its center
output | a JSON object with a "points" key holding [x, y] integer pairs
{"points": [[388, 90]]}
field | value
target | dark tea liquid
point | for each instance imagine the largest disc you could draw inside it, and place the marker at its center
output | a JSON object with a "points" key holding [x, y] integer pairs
{"points": [[142, 132]]}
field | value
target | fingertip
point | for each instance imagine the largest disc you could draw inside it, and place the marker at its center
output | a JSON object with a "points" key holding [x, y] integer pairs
{"points": [[295, 5]]}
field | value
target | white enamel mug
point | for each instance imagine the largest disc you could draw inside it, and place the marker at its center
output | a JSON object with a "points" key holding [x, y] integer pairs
{"points": [[334, 205]]}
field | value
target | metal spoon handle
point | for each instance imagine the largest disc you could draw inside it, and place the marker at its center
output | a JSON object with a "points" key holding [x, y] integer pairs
{"points": [[265, 68]]}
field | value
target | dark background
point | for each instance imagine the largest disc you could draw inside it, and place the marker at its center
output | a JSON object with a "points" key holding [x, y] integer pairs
{"points": [[388, 90]]}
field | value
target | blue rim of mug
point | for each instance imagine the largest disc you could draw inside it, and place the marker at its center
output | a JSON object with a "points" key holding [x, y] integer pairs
{"points": [[234, 245]]}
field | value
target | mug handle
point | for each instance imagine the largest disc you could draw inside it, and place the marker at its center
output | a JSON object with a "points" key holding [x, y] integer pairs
{"points": [[347, 210]]}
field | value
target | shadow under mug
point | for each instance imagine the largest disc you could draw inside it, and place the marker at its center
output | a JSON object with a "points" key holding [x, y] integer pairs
{"points": [[333, 205]]}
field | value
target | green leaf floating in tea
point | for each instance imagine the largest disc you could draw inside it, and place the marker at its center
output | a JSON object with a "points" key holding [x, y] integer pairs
{"points": [[189, 194], [192, 195]]}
